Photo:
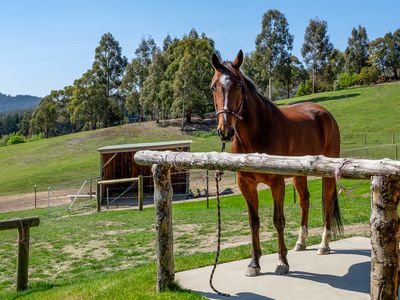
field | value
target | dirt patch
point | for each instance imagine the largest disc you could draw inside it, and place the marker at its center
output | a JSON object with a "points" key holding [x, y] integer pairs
{"points": [[123, 231], [95, 249]]}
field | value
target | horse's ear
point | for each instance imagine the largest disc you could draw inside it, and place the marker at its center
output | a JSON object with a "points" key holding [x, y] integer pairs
{"points": [[238, 60], [216, 62]]}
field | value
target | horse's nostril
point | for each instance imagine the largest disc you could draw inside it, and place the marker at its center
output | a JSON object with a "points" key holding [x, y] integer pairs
{"points": [[231, 132]]}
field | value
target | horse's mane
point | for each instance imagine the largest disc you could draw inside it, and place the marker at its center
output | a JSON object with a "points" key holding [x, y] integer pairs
{"points": [[249, 83]]}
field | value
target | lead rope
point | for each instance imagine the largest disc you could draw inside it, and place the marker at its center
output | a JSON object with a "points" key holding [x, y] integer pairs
{"points": [[218, 177]]}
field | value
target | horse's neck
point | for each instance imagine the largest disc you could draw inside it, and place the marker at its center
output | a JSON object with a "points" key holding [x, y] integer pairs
{"points": [[256, 128]]}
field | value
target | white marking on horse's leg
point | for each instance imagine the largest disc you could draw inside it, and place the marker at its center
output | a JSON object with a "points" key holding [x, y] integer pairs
{"points": [[301, 242], [324, 246]]}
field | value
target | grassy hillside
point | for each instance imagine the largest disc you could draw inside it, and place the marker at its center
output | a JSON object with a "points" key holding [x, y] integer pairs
{"points": [[370, 110], [74, 157]]}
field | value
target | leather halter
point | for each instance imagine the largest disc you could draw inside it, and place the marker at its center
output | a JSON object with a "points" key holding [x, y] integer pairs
{"points": [[228, 111]]}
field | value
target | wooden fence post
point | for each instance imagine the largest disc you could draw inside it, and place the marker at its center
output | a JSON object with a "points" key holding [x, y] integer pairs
{"points": [[163, 206], [23, 258], [23, 226], [140, 192], [384, 224]]}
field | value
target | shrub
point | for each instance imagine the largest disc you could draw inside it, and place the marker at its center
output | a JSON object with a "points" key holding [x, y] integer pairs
{"points": [[16, 139], [346, 80], [368, 75], [36, 137], [304, 89]]}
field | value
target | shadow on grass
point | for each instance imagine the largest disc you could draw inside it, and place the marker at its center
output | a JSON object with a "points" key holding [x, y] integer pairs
{"points": [[327, 98], [34, 288]]}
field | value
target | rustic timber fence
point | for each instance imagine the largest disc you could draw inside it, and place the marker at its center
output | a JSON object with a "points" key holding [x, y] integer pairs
{"points": [[385, 192], [23, 226]]}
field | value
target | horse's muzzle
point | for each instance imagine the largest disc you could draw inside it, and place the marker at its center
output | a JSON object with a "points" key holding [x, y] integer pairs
{"points": [[227, 134]]}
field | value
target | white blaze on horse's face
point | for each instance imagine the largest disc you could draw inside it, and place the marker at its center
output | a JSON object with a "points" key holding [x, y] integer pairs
{"points": [[226, 84]]}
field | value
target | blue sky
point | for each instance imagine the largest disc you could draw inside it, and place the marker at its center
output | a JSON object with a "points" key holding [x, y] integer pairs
{"points": [[45, 45]]}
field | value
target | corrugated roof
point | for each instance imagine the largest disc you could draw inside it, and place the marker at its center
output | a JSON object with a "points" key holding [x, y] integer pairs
{"points": [[143, 146]]}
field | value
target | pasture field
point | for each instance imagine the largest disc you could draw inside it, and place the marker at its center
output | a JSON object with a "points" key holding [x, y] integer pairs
{"points": [[372, 110], [111, 255]]}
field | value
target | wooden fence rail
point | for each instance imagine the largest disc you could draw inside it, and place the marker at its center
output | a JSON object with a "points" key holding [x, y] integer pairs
{"points": [[385, 193], [23, 226]]}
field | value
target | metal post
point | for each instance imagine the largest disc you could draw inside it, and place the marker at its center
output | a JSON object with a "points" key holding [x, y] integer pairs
{"points": [[98, 195], [396, 155], [392, 137], [140, 192], [108, 199], [90, 189], [207, 192], [35, 196]]}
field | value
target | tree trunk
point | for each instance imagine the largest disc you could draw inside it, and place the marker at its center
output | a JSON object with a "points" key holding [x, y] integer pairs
{"points": [[189, 117], [314, 81], [384, 224], [270, 84], [395, 73]]}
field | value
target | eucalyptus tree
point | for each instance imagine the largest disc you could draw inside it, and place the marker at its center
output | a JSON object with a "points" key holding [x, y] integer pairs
{"points": [[273, 44], [356, 53], [316, 48], [136, 73], [108, 70], [150, 97], [392, 44]]}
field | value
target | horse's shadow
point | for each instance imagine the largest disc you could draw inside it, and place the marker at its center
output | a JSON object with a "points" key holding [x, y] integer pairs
{"points": [[357, 278]]}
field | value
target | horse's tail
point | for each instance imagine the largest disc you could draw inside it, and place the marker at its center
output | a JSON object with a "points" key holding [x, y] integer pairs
{"points": [[337, 224]]}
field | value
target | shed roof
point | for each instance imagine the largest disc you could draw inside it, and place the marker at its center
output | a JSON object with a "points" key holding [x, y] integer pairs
{"points": [[144, 146]]}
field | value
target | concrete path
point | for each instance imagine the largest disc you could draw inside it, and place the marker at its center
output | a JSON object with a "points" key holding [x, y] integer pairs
{"points": [[344, 274]]}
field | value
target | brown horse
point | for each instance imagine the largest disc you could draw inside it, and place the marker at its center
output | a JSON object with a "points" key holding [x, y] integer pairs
{"points": [[254, 124]]}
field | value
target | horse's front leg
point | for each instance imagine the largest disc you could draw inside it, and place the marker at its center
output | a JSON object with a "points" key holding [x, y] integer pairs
{"points": [[248, 187], [278, 194]]}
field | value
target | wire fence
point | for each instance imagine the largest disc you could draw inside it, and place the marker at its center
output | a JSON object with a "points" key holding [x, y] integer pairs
{"points": [[357, 140]]}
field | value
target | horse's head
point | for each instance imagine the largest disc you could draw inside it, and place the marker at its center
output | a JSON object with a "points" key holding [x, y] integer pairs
{"points": [[227, 86]]}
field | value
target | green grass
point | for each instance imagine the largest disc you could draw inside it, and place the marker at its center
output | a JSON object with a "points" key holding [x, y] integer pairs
{"points": [[371, 110], [110, 255]]}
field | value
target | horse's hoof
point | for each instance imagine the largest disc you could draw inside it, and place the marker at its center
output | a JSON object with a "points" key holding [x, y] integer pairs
{"points": [[253, 272], [299, 247], [323, 250], [282, 269]]}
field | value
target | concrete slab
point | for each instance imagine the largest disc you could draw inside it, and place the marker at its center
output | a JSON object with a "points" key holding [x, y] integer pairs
{"points": [[344, 274]]}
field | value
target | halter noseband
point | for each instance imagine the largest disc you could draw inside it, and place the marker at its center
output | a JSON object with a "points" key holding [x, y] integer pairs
{"points": [[228, 111]]}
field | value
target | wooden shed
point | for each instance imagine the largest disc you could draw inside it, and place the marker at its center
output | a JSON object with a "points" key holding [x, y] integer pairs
{"points": [[116, 162]]}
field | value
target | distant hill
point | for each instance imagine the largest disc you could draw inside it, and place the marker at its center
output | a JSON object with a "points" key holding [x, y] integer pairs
{"points": [[11, 103]]}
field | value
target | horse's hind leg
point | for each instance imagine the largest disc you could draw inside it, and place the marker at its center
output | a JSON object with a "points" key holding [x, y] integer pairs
{"points": [[300, 183], [329, 190], [278, 194], [249, 191]]}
